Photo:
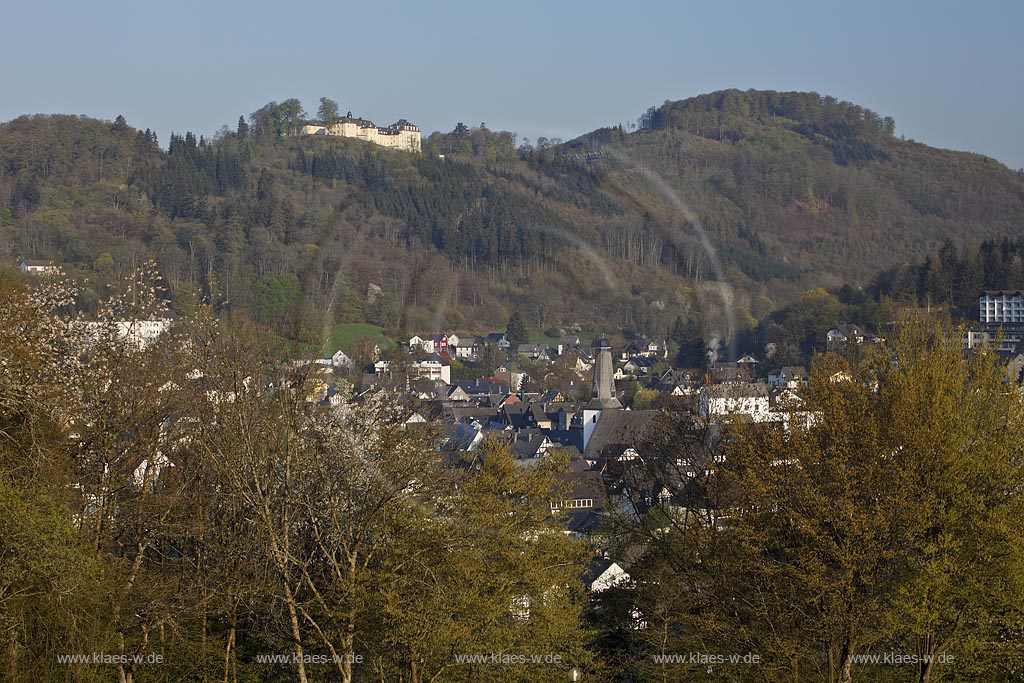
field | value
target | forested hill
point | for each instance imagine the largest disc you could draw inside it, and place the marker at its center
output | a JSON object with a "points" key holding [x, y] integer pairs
{"points": [[793, 191]]}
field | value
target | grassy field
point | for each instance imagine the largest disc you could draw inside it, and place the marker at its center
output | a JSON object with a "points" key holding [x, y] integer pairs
{"points": [[345, 336]]}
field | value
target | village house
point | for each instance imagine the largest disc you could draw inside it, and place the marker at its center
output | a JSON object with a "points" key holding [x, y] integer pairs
{"points": [[37, 267], [651, 348], [432, 343], [789, 377], [498, 339], [140, 333], [567, 342], [433, 367], [845, 333], [466, 348], [749, 399]]}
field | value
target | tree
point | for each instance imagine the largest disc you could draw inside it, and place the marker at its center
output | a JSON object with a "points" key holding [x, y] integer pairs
{"points": [[328, 113], [515, 331], [104, 263], [891, 519], [120, 126]]}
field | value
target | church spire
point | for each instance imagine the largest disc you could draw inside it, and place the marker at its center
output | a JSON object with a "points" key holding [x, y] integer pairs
{"points": [[603, 387]]}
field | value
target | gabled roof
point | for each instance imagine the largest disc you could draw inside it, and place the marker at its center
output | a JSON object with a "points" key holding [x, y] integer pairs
{"points": [[527, 443], [620, 427], [737, 390], [585, 484], [482, 387], [795, 372]]}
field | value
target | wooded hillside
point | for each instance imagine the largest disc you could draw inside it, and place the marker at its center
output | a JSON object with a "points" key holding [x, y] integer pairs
{"points": [[793, 191]]}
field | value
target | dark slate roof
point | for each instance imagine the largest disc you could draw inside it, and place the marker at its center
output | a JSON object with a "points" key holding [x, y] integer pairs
{"points": [[582, 521], [517, 415], [567, 437], [585, 484], [526, 443], [481, 387], [620, 427]]}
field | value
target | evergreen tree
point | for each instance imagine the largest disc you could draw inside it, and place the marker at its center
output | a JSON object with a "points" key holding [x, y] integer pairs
{"points": [[515, 331]]}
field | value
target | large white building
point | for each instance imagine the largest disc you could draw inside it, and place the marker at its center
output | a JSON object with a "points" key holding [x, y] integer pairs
{"points": [[400, 135], [1001, 307], [750, 399]]}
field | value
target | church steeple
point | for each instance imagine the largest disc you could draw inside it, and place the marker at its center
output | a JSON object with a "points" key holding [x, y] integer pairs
{"points": [[603, 387]]}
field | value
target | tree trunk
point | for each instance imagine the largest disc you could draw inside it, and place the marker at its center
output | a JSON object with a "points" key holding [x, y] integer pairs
{"points": [[227, 651], [296, 633]]}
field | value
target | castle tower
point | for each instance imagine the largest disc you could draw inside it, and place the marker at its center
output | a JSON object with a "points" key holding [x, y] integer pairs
{"points": [[603, 387]]}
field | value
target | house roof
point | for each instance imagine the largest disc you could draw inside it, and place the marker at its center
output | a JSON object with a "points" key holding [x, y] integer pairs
{"points": [[526, 444], [620, 427], [481, 387], [737, 390], [585, 484]]}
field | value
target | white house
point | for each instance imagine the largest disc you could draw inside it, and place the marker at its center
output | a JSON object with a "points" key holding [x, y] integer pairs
{"points": [[789, 377], [735, 398], [141, 333], [849, 334], [38, 267], [464, 348], [433, 367], [341, 360], [603, 574]]}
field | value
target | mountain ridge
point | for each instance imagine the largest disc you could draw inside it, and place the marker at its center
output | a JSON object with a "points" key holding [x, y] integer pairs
{"points": [[776, 193]]}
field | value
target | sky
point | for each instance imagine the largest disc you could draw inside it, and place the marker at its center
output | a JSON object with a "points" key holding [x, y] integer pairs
{"points": [[949, 73]]}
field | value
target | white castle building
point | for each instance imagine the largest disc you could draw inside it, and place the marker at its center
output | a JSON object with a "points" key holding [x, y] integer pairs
{"points": [[400, 135]]}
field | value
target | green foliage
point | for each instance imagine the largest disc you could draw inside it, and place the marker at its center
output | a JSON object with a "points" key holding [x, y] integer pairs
{"points": [[884, 517], [956, 278], [104, 263], [515, 331], [275, 297], [327, 114]]}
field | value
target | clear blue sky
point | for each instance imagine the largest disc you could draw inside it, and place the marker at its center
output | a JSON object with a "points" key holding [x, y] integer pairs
{"points": [[950, 73]]}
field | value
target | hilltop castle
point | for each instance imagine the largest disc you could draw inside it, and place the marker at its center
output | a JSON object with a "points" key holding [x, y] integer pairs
{"points": [[400, 135]]}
